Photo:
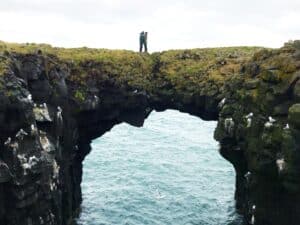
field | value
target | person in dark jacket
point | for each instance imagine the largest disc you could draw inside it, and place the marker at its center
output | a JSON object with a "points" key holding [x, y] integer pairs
{"points": [[143, 41]]}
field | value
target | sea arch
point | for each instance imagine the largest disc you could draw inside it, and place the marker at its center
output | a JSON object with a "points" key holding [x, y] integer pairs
{"points": [[55, 101]]}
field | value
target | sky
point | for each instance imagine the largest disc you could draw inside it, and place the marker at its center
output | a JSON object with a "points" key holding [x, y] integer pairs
{"points": [[171, 24]]}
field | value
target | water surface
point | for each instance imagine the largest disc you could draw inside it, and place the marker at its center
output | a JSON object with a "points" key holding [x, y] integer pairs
{"points": [[167, 172]]}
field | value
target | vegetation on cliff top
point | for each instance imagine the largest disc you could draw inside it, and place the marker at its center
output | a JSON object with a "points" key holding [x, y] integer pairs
{"points": [[190, 70], [183, 69]]}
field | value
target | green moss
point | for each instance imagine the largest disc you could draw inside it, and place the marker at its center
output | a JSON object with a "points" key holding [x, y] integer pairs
{"points": [[193, 71], [4, 64], [9, 93], [270, 76], [262, 54], [292, 44], [202, 67], [294, 115], [80, 95]]}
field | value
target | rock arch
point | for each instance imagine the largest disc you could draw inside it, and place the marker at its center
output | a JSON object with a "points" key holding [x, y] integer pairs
{"points": [[55, 101]]}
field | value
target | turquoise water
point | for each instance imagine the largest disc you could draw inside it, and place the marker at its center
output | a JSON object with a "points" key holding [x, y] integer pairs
{"points": [[167, 172]]}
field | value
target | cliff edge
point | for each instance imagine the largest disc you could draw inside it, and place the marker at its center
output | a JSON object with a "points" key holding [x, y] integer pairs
{"points": [[55, 101]]}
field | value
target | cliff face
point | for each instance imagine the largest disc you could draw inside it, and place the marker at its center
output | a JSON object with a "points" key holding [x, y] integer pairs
{"points": [[54, 102]]}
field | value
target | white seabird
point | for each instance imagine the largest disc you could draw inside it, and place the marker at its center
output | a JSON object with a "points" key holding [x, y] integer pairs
{"points": [[29, 97], [269, 123], [21, 133], [280, 164], [271, 120], [252, 221], [229, 125], [249, 122], [59, 111], [286, 127], [222, 103], [8, 141], [247, 176], [33, 130], [250, 115]]}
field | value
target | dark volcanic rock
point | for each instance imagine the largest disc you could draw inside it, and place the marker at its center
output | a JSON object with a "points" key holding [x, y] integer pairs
{"points": [[52, 107]]}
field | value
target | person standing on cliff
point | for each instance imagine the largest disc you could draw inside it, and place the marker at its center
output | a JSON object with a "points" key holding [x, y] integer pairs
{"points": [[143, 41]]}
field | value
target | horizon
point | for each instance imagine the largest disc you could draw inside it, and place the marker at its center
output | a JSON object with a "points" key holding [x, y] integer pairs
{"points": [[115, 49]]}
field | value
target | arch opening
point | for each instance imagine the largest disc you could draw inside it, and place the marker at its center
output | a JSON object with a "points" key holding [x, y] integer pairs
{"points": [[167, 172]]}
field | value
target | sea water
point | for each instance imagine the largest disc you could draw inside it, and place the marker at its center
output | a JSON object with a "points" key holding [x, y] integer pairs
{"points": [[168, 172]]}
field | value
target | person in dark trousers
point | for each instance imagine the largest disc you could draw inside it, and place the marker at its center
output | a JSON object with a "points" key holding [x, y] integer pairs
{"points": [[143, 41]]}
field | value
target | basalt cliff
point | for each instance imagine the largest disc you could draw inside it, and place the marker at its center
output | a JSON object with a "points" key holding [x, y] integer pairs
{"points": [[55, 101]]}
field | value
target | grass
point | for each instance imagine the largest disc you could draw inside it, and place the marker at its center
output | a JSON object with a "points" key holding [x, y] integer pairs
{"points": [[184, 69], [195, 68]]}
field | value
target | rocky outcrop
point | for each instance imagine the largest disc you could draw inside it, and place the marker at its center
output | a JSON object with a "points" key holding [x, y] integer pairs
{"points": [[54, 102]]}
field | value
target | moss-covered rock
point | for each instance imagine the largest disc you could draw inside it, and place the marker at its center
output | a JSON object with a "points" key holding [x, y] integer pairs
{"points": [[270, 76], [294, 115], [296, 91]]}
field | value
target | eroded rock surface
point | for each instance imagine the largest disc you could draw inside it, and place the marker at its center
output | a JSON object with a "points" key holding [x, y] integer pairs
{"points": [[54, 102]]}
